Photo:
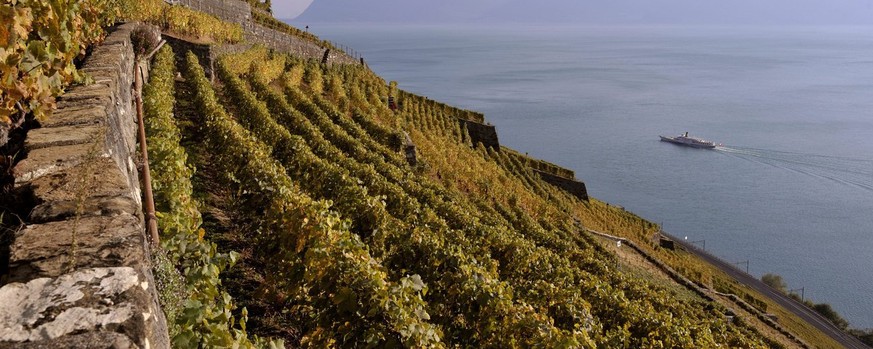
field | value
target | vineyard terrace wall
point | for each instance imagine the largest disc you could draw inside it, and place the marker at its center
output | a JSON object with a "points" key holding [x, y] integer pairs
{"points": [[486, 134], [574, 187], [240, 12], [481, 133], [78, 274]]}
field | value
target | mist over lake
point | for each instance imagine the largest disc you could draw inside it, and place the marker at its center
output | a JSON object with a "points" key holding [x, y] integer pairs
{"points": [[790, 189]]}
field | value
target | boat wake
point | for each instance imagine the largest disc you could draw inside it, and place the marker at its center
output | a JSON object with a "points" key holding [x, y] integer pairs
{"points": [[843, 170]]}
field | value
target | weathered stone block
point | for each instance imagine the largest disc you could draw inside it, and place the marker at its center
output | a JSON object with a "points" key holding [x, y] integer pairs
{"points": [[52, 249], [64, 135], [102, 100], [107, 56], [94, 181], [120, 36], [84, 115], [112, 304], [98, 176], [44, 161], [91, 206], [87, 340], [102, 74], [90, 92]]}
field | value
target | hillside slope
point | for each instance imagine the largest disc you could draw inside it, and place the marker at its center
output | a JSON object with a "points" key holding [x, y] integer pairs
{"points": [[344, 243], [310, 204]]}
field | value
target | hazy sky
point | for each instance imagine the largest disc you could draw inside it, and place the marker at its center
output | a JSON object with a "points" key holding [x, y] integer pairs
{"points": [[289, 8], [716, 12]]}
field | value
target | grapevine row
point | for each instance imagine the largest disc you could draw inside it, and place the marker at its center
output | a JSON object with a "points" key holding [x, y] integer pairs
{"points": [[325, 271], [198, 310], [432, 251]]}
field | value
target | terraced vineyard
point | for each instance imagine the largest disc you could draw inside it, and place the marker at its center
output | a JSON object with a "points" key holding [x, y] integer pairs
{"points": [[343, 243], [292, 212]]}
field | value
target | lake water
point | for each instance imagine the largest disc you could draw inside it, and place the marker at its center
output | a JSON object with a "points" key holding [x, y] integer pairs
{"points": [[791, 190]]}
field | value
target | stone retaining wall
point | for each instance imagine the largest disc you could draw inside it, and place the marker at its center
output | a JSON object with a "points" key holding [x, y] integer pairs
{"points": [[574, 187], [481, 133], [240, 12], [542, 165], [79, 273], [205, 53], [294, 45], [236, 11]]}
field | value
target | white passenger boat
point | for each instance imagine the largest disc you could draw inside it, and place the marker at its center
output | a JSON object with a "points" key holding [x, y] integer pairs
{"points": [[689, 141]]}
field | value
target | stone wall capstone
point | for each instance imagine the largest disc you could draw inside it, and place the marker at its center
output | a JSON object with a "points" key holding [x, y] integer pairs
{"points": [[79, 273]]}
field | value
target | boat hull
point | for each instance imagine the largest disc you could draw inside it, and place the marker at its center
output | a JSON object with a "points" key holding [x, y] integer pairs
{"points": [[687, 144]]}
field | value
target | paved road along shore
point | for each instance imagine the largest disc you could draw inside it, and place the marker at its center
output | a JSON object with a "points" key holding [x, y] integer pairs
{"points": [[798, 308]]}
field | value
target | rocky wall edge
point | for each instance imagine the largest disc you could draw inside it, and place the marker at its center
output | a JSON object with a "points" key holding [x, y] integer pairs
{"points": [[79, 273]]}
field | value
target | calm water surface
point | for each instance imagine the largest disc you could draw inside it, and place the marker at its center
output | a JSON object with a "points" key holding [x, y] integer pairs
{"points": [[791, 190]]}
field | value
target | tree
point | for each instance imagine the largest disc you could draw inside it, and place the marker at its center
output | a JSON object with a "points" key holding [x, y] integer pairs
{"points": [[865, 336], [775, 281], [825, 310]]}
